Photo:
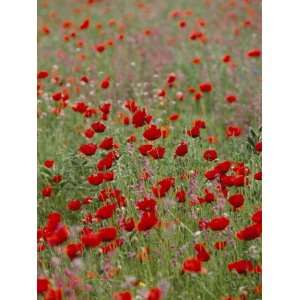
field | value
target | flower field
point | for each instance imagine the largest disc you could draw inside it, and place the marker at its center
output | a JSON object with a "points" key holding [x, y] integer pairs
{"points": [[149, 149]]}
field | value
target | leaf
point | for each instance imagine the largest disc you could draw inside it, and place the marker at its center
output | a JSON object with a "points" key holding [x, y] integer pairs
{"points": [[252, 132]]}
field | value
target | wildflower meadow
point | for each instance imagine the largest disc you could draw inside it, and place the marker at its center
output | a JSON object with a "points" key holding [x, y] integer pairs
{"points": [[149, 150]]}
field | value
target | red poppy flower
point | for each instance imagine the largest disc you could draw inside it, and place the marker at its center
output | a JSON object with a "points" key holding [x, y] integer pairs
{"points": [[59, 236], [154, 294], [90, 112], [107, 143], [180, 196], [105, 83], [147, 221], [53, 220], [88, 149], [105, 107], [226, 58], [130, 105], [128, 224], [85, 24], [250, 233], [171, 78], [197, 96], [46, 30], [199, 123], [47, 191], [239, 180], [191, 90], [258, 147], [125, 295], [106, 211], [182, 23], [42, 285], [146, 204], [131, 139], [218, 223], [157, 152], [241, 266], [236, 200], [233, 131], [163, 186], [192, 265], [231, 98], [53, 294], [258, 176], [202, 253], [57, 96], [73, 250], [84, 79], [80, 107], [161, 93], [144, 149], [254, 53], [205, 87], [106, 162], [174, 117], [241, 169], [227, 180], [90, 239], [89, 133], [209, 197], [196, 35], [257, 269], [211, 174], [42, 74], [257, 217], [220, 245], [182, 149], [108, 176], [223, 167], [196, 60], [107, 234], [74, 205], [152, 133], [194, 132], [95, 179], [139, 118], [98, 127], [100, 47], [210, 155]]}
